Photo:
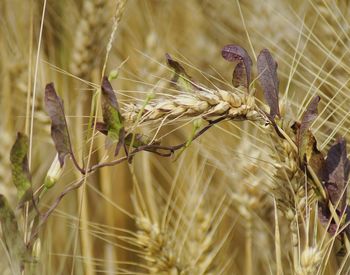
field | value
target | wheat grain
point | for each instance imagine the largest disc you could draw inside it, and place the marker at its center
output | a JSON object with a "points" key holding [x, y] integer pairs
{"points": [[310, 260], [205, 103]]}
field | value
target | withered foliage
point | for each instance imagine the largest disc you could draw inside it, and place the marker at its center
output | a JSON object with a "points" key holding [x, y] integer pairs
{"points": [[242, 72], [267, 69]]}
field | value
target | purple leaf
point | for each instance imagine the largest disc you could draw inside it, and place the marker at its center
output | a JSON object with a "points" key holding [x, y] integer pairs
{"points": [[338, 168], [267, 69], [242, 71], [239, 77], [59, 130]]}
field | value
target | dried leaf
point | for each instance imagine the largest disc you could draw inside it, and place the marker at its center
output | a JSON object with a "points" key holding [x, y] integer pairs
{"points": [[239, 76], [102, 128], [338, 168], [59, 129], [310, 114], [325, 216], [242, 71], [306, 142], [19, 164], [26, 197], [181, 78], [11, 235], [267, 69], [111, 115], [140, 139]]}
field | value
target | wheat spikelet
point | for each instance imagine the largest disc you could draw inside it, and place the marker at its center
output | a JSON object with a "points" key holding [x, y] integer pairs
{"points": [[90, 30], [205, 103], [310, 260], [160, 256], [288, 178], [181, 236]]}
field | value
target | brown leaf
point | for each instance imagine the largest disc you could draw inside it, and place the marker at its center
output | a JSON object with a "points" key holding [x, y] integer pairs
{"points": [[324, 215], [242, 71], [306, 142], [180, 78], [267, 69], [59, 130], [310, 114], [338, 168], [102, 128], [108, 93], [176, 66]]}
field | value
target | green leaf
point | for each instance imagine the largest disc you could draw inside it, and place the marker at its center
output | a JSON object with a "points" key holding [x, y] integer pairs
{"points": [[111, 115], [59, 129], [11, 235], [19, 164]]}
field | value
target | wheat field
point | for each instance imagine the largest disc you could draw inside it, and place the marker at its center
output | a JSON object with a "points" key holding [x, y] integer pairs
{"points": [[174, 137]]}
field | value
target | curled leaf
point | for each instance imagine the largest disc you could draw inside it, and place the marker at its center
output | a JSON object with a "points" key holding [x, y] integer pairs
{"points": [[242, 71], [338, 168], [11, 235], [181, 78], [267, 69], [19, 164], [113, 121], [59, 129]]}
